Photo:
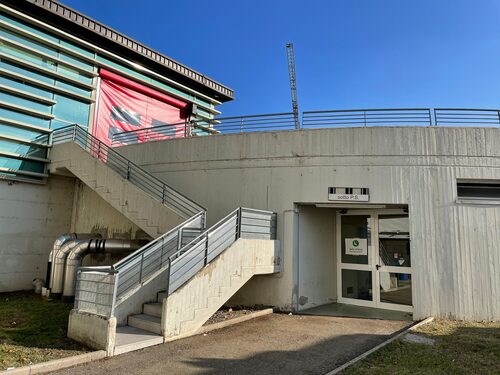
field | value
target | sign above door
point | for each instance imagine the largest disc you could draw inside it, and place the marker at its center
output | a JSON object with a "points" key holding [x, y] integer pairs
{"points": [[351, 194]]}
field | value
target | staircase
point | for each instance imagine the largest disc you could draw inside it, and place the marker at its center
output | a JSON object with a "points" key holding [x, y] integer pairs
{"points": [[170, 287]]}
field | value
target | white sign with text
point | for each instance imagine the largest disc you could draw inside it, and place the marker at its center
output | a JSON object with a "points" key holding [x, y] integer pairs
{"points": [[356, 246]]}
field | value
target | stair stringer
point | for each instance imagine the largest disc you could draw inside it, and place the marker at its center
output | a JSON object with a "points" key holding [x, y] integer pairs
{"points": [[135, 204], [189, 307]]}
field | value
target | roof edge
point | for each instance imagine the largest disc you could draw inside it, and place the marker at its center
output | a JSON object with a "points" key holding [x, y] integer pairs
{"points": [[97, 30]]}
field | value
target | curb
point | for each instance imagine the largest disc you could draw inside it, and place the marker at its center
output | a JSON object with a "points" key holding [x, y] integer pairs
{"points": [[56, 364], [380, 346], [227, 323], [63, 363]]}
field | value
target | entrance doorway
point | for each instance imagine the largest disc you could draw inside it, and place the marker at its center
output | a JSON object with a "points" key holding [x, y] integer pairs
{"points": [[373, 259]]}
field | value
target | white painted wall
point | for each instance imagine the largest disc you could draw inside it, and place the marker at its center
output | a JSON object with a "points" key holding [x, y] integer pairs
{"points": [[455, 247], [31, 218]]}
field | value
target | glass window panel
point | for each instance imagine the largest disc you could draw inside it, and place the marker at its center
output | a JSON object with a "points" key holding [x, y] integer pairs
{"points": [[25, 72], [72, 88], [25, 87], [23, 102], [74, 74], [71, 110], [355, 227], [394, 240], [395, 288], [19, 132], [357, 284], [18, 116], [27, 27], [23, 149], [76, 61], [76, 48], [15, 37], [22, 165], [27, 56]]}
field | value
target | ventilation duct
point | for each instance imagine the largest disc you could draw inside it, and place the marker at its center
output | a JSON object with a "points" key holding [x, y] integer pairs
{"points": [[94, 246]]}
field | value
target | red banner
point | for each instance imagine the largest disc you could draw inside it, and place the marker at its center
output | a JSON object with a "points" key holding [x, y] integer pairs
{"points": [[125, 105]]}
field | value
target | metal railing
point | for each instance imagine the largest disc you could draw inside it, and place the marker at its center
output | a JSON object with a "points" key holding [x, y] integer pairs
{"points": [[367, 117], [223, 125], [255, 123], [466, 117], [128, 170], [316, 120], [99, 288], [241, 223], [144, 263]]}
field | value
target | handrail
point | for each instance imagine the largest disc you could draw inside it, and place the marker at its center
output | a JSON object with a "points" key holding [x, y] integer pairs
{"points": [[185, 263], [134, 264], [366, 117], [138, 176]]}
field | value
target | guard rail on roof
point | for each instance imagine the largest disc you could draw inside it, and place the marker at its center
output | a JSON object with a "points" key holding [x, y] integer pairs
{"points": [[315, 120]]}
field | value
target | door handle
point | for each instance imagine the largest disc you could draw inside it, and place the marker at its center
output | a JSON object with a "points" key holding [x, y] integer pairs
{"points": [[377, 266]]}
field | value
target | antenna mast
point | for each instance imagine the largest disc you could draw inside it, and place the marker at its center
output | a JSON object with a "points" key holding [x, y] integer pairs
{"points": [[293, 83]]}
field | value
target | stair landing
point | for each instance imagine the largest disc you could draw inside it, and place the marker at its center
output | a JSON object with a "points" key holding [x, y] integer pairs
{"points": [[130, 338]]}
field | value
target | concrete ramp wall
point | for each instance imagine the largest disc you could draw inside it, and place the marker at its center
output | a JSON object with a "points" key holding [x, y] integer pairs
{"points": [[189, 307], [146, 212]]}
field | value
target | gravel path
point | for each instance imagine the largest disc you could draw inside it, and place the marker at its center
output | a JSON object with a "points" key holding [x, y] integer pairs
{"points": [[274, 344]]}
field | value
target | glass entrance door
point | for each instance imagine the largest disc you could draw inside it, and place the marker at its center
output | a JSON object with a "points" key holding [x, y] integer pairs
{"points": [[373, 257], [394, 262], [355, 258]]}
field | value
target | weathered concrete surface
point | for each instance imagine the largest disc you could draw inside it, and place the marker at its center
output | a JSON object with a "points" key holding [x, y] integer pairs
{"points": [[94, 331], [139, 207], [31, 218], [275, 344], [189, 307], [454, 246]]}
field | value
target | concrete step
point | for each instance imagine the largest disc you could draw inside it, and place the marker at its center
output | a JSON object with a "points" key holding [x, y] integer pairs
{"points": [[153, 309], [162, 296], [131, 338], [146, 322]]}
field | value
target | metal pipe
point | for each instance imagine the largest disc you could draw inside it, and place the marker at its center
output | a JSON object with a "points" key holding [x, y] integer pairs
{"points": [[57, 273], [58, 243], [94, 246]]}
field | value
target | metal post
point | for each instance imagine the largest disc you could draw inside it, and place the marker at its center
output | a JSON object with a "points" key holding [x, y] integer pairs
{"points": [[161, 252], [179, 239], [238, 224], [430, 118], [99, 150], [498, 114], [115, 292], [206, 250], [241, 125], [128, 170], [163, 194], [435, 118], [168, 274], [364, 117], [140, 270], [74, 133]]}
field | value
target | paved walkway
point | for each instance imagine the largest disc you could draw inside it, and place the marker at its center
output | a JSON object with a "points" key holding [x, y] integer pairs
{"points": [[275, 344]]}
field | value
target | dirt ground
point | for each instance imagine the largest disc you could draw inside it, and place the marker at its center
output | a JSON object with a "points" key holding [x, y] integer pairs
{"points": [[274, 344]]}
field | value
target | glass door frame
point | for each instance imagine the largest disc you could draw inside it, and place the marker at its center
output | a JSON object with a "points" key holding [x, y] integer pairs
{"points": [[374, 262]]}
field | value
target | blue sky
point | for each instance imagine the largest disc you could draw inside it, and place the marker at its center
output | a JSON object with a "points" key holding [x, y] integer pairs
{"points": [[349, 53]]}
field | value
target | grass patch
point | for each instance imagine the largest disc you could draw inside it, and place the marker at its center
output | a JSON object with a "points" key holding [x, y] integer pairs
{"points": [[460, 348], [33, 330]]}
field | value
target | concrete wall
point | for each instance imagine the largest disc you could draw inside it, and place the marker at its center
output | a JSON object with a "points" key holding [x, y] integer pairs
{"points": [[455, 246], [31, 218], [317, 280], [92, 214]]}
